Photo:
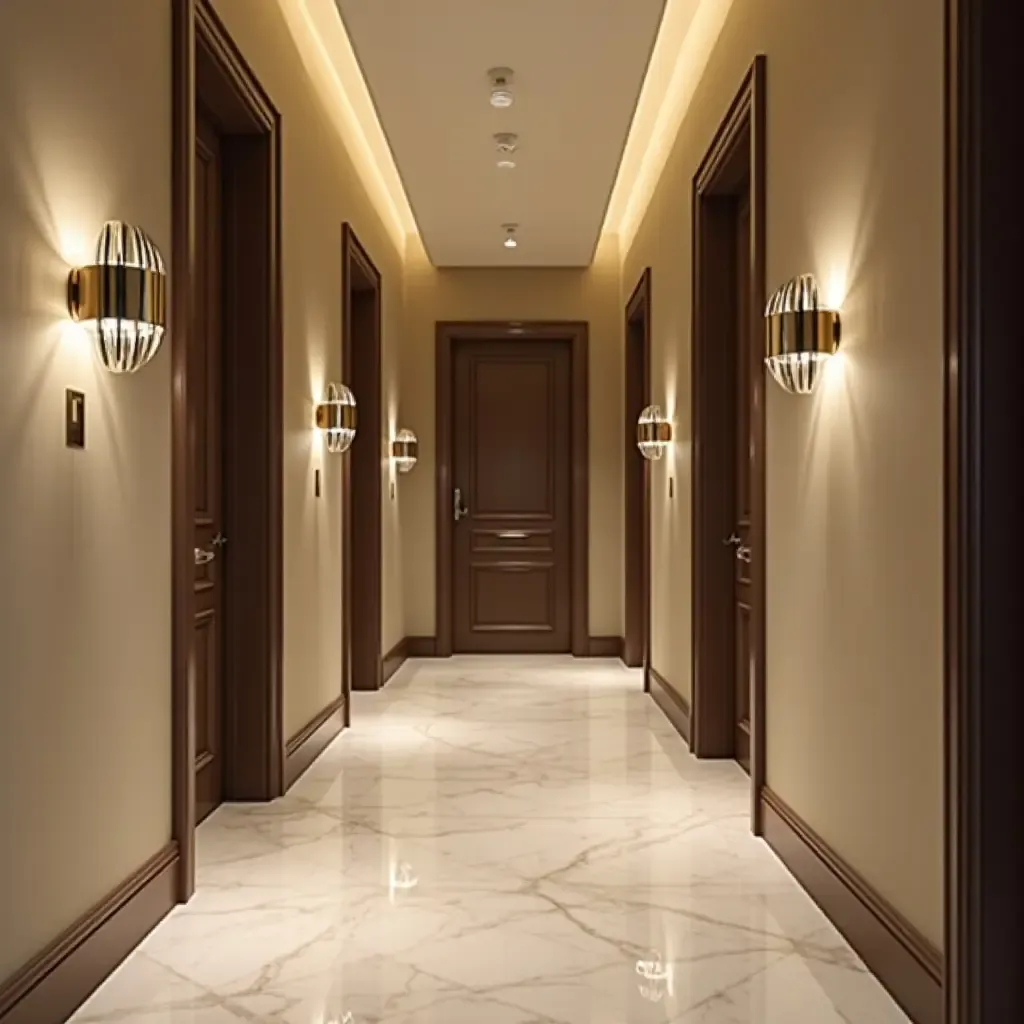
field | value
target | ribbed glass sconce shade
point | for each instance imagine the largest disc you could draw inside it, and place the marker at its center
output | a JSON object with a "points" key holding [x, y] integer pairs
{"points": [[653, 433], [122, 296], [405, 450], [336, 416], [801, 336]]}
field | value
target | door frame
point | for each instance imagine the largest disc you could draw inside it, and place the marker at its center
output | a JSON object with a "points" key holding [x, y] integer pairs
{"points": [[361, 555], [636, 650], [447, 333], [739, 137], [984, 380], [207, 65]]}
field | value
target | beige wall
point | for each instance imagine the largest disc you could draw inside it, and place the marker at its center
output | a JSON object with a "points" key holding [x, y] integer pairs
{"points": [[591, 295], [854, 552], [85, 618], [85, 536], [321, 190]]}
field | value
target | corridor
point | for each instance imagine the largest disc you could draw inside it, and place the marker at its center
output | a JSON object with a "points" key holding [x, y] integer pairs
{"points": [[496, 841]]}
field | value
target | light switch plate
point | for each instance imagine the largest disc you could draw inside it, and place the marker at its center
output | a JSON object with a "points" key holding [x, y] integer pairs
{"points": [[74, 419]]}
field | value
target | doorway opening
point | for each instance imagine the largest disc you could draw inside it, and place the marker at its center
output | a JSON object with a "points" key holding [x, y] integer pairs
{"points": [[728, 440], [637, 641], [512, 500], [362, 475], [226, 432]]}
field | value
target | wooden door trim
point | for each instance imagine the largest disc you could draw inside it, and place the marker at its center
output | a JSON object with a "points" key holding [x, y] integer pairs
{"points": [[361, 556], [984, 380], [207, 65], [577, 333], [638, 589], [743, 128]]}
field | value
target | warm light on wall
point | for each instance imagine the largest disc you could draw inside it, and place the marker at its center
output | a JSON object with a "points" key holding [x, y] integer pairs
{"points": [[336, 416], [405, 450], [122, 297], [653, 433], [800, 335]]}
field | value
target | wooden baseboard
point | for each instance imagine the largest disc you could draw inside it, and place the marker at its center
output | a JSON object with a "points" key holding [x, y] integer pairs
{"points": [[394, 660], [421, 647], [675, 706], [605, 647], [902, 959], [312, 739], [50, 987]]}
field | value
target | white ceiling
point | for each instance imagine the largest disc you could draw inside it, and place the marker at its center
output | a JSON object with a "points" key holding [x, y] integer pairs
{"points": [[579, 66]]}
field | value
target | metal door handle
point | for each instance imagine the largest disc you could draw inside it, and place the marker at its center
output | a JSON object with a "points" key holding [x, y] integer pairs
{"points": [[219, 541], [743, 553], [204, 557], [512, 535], [460, 510], [732, 539]]}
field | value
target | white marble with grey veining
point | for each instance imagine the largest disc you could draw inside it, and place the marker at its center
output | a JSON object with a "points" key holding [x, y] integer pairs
{"points": [[496, 841]]}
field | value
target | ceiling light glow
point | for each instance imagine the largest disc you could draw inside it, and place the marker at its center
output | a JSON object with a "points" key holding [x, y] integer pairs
{"points": [[501, 87]]}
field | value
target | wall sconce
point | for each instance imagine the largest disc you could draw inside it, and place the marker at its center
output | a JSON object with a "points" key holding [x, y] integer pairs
{"points": [[405, 450], [123, 295], [653, 433], [336, 415], [800, 336]]}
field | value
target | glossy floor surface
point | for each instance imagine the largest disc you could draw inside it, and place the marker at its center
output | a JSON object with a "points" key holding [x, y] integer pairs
{"points": [[497, 841]]}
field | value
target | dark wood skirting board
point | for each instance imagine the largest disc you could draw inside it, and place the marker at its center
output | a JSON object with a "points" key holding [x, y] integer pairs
{"points": [[421, 647], [50, 987], [394, 659], [902, 959], [605, 647], [312, 739], [675, 706]]}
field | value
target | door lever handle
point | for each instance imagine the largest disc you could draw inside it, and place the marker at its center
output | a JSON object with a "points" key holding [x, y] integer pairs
{"points": [[204, 557], [460, 511], [731, 540]]}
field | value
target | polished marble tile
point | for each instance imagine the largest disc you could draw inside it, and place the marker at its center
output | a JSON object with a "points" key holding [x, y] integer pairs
{"points": [[496, 841]]}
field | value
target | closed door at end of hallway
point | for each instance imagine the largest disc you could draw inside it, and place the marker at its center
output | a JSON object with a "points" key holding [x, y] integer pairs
{"points": [[511, 500]]}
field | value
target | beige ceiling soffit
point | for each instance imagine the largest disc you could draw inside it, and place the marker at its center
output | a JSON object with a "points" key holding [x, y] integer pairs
{"points": [[685, 41], [323, 42]]}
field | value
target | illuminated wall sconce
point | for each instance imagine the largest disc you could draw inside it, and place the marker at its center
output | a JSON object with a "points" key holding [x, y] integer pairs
{"points": [[123, 295], [405, 450], [800, 335], [653, 433], [336, 416]]}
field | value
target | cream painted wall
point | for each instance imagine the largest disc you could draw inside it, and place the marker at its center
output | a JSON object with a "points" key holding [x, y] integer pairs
{"points": [[85, 621], [854, 557], [321, 190], [555, 294]]}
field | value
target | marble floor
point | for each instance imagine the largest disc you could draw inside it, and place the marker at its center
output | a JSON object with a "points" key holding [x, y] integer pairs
{"points": [[496, 841]]}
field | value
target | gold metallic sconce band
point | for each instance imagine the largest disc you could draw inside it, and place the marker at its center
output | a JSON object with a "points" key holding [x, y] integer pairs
{"points": [[336, 416], [405, 450], [653, 432], [113, 292], [809, 330]]}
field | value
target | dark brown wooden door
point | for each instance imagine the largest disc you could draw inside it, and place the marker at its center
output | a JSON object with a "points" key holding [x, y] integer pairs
{"points": [[747, 363], [210, 547], [512, 468]]}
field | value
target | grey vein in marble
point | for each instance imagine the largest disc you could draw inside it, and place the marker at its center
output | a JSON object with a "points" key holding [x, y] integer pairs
{"points": [[568, 863]]}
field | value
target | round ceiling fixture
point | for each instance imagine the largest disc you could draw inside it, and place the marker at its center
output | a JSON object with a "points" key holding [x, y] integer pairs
{"points": [[510, 236], [507, 143], [501, 87]]}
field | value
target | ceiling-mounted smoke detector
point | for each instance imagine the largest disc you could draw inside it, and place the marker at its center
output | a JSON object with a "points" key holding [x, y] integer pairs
{"points": [[510, 236], [507, 143], [501, 87]]}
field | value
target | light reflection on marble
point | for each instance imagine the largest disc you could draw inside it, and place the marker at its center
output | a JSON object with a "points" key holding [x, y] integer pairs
{"points": [[496, 841]]}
